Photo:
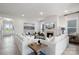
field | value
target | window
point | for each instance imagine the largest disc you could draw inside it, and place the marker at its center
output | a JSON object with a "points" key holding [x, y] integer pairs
{"points": [[8, 26], [72, 26]]}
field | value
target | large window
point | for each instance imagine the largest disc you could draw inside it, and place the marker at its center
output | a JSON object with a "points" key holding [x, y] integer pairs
{"points": [[72, 26]]}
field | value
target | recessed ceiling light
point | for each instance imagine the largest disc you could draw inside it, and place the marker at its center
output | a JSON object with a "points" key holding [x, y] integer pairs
{"points": [[66, 11], [41, 13], [22, 15]]}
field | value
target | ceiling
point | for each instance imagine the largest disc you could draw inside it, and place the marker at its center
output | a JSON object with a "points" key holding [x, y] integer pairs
{"points": [[32, 10]]}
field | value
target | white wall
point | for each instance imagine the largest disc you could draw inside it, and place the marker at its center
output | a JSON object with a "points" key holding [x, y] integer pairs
{"points": [[52, 19], [35, 22], [60, 21], [19, 24]]}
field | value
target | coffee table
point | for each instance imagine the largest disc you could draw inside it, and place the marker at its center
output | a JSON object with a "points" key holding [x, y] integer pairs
{"points": [[36, 47]]}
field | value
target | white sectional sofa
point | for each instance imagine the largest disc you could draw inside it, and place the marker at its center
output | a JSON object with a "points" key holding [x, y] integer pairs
{"points": [[56, 45], [22, 43]]}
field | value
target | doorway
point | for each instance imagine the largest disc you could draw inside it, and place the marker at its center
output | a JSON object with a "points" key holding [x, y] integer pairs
{"points": [[7, 28]]}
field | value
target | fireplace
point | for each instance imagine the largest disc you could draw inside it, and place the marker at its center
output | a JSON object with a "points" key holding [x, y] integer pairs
{"points": [[49, 34]]}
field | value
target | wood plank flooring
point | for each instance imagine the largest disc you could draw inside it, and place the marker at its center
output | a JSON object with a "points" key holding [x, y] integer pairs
{"points": [[72, 49]]}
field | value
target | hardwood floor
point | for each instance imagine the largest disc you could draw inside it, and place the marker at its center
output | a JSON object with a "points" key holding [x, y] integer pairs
{"points": [[72, 49], [8, 46]]}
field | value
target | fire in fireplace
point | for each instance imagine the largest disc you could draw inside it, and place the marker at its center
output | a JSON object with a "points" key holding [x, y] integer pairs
{"points": [[49, 35]]}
